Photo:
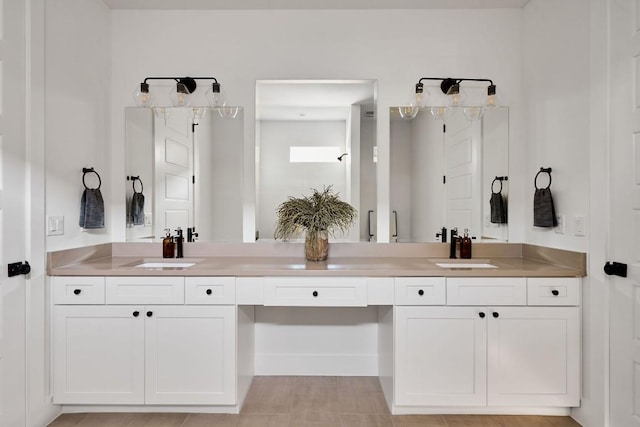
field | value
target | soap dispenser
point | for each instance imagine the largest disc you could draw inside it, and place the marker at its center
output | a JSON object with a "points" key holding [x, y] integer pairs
{"points": [[465, 245], [168, 247]]}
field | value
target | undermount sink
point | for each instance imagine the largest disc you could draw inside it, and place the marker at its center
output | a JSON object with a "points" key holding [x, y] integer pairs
{"points": [[168, 264], [465, 265]]}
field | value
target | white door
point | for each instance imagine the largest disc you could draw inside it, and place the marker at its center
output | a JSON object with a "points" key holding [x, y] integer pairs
{"points": [[624, 222], [13, 213], [173, 171], [462, 187], [440, 356], [190, 355], [98, 354], [534, 356]]}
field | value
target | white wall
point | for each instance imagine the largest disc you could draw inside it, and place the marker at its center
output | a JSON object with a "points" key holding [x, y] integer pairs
{"points": [[280, 179], [240, 47], [77, 126], [556, 93]]}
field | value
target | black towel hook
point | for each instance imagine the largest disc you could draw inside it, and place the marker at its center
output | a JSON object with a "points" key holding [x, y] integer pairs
{"points": [[85, 171], [133, 184], [500, 179], [535, 180]]}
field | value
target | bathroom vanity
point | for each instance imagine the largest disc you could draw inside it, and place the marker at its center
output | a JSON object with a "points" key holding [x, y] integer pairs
{"points": [[460, 339]]}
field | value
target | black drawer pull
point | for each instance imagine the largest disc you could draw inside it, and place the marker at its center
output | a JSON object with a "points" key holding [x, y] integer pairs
{"points": [[149, 313], [481, 314], [420, 292], [136, 313], [77, 291], [315, 293], [496, 314], [209, 292], [555, 292]]}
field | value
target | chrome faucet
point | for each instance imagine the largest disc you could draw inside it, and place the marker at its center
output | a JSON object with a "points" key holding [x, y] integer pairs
{"points": [[454, 241]]}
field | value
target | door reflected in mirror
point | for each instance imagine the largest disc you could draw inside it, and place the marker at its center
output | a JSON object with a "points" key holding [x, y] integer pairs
{"points": [[312, 135], [183, 169], [443, 174]]}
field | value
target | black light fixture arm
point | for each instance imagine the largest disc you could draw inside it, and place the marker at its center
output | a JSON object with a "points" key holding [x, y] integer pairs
{"points": [[448, 82], [188, 82]]}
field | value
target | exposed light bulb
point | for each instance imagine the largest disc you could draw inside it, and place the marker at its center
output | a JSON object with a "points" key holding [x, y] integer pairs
{"points": [[227, 112], [473, 113], [142, 96], [491, 100], [215, 97], [408, 113], [180, 96], [440, 112]]}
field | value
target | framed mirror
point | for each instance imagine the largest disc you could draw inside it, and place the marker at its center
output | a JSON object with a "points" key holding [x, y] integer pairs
{"points": [[312, 134], [183, 169], [443, 172]]}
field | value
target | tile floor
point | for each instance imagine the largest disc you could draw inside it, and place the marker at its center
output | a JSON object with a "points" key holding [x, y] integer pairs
{"points": [[309, 402]]}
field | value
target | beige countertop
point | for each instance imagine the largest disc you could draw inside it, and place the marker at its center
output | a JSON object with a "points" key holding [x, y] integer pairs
{"points": [[103, 260]]}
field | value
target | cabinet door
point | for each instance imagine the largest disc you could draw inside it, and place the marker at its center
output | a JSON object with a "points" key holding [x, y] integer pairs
{"points": [[190, 355], [98, 355], [534, 357], [440, 356]]}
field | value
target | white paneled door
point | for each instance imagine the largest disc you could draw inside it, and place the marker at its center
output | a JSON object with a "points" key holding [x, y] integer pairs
{"points": [[13, 212], [624, 223]]}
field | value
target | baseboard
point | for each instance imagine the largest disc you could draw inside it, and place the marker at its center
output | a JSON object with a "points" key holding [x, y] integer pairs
{"points": [[358, 365]]}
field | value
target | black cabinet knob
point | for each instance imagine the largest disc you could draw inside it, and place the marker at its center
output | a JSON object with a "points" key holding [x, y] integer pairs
{"points": [[496, 314], [481, 314], [136, 313], [420, 292], [77, 291], [555, 292], [209, 291], [149, 313], [315, 293]]}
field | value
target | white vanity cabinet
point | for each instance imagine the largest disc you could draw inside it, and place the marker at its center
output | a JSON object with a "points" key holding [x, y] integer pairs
{"points": [[504, 354], [129, 352]]}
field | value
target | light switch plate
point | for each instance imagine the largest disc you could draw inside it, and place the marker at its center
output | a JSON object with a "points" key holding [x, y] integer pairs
{"points": [[55, 225], [579, 225], [148, 220], [559, 229]]}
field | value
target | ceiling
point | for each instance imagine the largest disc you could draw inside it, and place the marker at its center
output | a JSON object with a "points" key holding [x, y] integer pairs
{"points": [[312, 4]]}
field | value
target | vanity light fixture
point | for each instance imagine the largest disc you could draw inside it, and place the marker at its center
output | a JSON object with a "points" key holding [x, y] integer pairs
{"points": [[181, 94], [455, 98]]}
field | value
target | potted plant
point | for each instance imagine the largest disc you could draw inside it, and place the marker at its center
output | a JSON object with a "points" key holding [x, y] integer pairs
{"points": [[319, 214]]}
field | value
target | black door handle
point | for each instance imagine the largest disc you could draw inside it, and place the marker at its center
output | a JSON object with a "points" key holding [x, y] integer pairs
{"points": [[315, 293], [420, 292], [495, 314], [615, 269], [16, 268], [149, 313], [208, 291], [481, 314], [77, 291], [555, 292], [136, 313]]}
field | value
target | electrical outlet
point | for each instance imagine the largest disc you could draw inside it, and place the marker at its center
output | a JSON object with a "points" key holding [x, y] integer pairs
{"points": [[55, 225], [559, 229], [148, 220], [579, 225]]}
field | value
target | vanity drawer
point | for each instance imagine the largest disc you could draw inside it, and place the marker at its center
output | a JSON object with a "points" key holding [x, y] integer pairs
{"points": [[209, 290], [145, 290], [78, 290], [420, 291], [315, 291], [487, 291], [553, 291]]}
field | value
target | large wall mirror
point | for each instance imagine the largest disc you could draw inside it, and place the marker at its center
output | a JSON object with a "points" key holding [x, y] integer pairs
{"points": [[445, 174], [311, 135], [183, 169]]}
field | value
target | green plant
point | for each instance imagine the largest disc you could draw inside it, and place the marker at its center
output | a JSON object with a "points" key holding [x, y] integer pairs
{"points": [[321, 211]]}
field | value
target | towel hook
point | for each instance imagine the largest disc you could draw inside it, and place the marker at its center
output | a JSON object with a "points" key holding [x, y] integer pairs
{"points": [[500, 179], [535, 180], [133, 184], [85, 171]]}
